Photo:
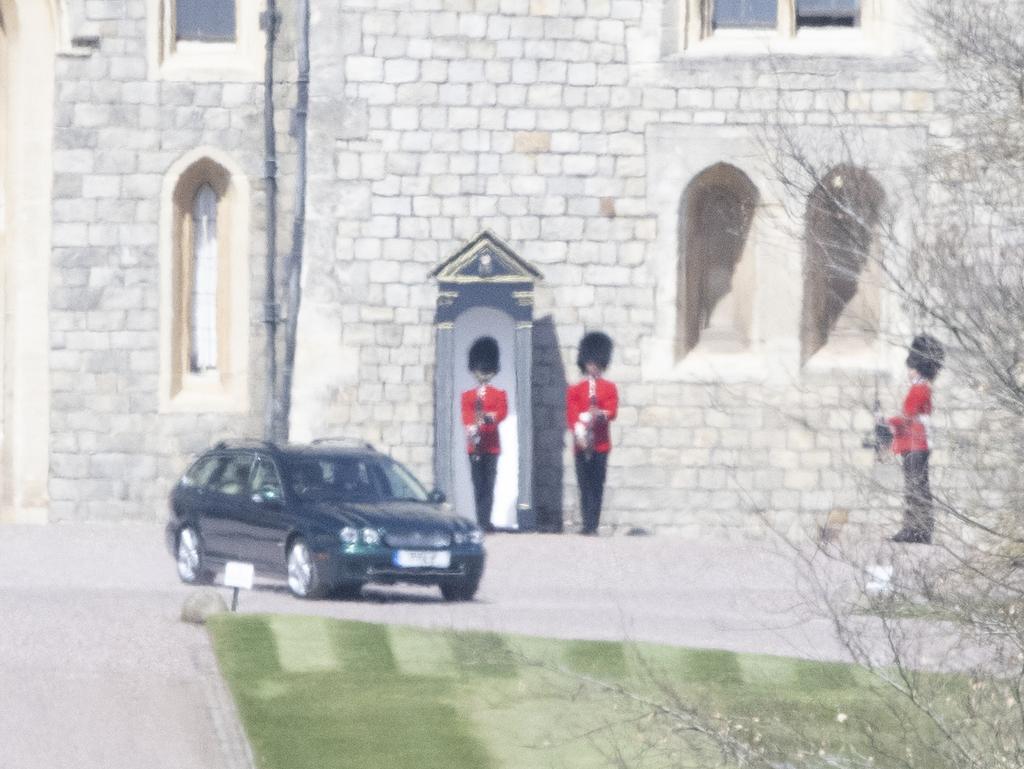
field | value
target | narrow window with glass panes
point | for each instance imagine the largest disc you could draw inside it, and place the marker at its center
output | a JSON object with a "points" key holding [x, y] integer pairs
{"points": [[205, 265]]}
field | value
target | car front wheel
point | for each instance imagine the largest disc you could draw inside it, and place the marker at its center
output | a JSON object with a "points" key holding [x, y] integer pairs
{"points": [[304, 578], [190, 559]]}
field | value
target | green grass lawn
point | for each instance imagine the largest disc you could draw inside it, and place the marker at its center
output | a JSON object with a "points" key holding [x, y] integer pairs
{"points": [[316, 693]]}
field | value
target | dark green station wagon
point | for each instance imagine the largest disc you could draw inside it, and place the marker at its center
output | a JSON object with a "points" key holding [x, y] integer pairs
{"points": [[328, 517]]}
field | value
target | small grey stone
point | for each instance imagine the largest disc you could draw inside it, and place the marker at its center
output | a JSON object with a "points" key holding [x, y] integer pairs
{"points": [[201, 604]]}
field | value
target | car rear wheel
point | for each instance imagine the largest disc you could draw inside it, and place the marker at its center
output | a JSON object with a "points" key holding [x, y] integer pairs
{"points": [[190, 559], [304, 578], [462, 589]]}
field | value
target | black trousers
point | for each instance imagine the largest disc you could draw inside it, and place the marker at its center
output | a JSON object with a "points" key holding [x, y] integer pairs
{"points": [[917, 495], [590, 473], [484, 469]]}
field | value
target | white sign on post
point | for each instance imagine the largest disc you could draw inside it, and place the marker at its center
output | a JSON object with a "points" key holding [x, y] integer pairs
{"points": [[238, 575]]}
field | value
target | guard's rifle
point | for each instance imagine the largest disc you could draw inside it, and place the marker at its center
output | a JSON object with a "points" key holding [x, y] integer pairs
{"points": [[590, 433], [478, 420], [880, 437]]}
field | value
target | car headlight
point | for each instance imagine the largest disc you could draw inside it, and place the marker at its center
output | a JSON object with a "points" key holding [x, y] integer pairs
{"points": [[371, 536], [349, 535], [473, 537]]}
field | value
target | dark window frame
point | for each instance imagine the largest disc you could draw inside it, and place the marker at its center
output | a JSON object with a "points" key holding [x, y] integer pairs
{"points": [[828, 17]]}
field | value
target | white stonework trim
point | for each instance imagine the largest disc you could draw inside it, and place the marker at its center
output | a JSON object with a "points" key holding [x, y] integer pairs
{"points": [[226, 390], [241, 61], [61, 18], [26, 128]]}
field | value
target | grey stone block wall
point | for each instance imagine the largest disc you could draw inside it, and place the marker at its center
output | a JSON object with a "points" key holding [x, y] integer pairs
{"points": [[432, 120], [113, 455], [529, 119]]}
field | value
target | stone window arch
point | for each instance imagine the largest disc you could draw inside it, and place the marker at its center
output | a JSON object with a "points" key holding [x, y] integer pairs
{"points": [[842, 293], [204, 284], [715, 271]]}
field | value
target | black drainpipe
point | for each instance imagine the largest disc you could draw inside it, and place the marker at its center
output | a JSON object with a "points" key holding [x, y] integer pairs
{"points": [[269, 23], [294, 268]]}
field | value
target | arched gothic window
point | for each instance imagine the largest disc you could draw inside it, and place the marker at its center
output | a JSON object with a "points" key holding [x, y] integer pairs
{"points": [[204, 284], [714, 290], [841, 271]]}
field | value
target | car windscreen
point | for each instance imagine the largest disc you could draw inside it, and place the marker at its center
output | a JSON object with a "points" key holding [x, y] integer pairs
{"points": [[353, 479], [400, 484]]}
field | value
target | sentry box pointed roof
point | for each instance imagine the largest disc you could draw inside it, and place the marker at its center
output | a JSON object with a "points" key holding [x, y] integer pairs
{"points": [[486, 259]]}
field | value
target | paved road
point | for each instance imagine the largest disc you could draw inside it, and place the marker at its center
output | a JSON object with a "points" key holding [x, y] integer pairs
{"points": [[737, 596], [96, 670]]}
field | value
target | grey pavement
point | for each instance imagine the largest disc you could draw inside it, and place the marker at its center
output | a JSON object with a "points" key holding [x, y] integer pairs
{"points": [[97, 670]]}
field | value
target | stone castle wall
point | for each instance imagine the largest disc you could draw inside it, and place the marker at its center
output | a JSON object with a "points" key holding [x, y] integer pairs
{"points": [[119, 127], [556, 124]]}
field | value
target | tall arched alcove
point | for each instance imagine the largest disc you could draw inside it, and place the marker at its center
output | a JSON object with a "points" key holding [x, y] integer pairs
{"points": [[842, 267], [715, 279]]}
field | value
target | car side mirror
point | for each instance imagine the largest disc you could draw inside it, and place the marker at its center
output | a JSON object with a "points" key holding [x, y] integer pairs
{"points": [[436, 496]]}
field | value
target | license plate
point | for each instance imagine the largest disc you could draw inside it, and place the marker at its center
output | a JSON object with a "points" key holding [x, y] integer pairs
{"points": [[429, 559]]}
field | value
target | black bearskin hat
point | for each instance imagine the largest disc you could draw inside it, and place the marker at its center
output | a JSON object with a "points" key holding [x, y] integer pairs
{"points": [[483, 355], [595, 347], [926, 356]]}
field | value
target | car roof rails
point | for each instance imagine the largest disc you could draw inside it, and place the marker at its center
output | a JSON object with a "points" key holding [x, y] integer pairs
{"points": [[244, 443], [352, 443]]}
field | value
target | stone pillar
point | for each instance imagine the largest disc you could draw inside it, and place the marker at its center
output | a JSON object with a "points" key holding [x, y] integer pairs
{"points": [[27, 111]]}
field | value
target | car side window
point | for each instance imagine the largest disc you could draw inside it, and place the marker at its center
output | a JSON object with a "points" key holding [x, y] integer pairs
{"points": [[202, 471], [234, 477], [266, 481]]}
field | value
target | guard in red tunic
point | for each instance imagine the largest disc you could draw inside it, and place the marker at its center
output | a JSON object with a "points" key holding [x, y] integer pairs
{"points": [[910, 440], [483, 408], [590, 406]]}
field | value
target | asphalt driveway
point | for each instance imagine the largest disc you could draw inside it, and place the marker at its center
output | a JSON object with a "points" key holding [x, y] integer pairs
{"points": [[97, 670]]}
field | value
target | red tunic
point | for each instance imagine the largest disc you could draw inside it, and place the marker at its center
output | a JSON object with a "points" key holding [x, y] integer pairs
{"points": [[910, 429], [494, 403], [577, 402]]}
